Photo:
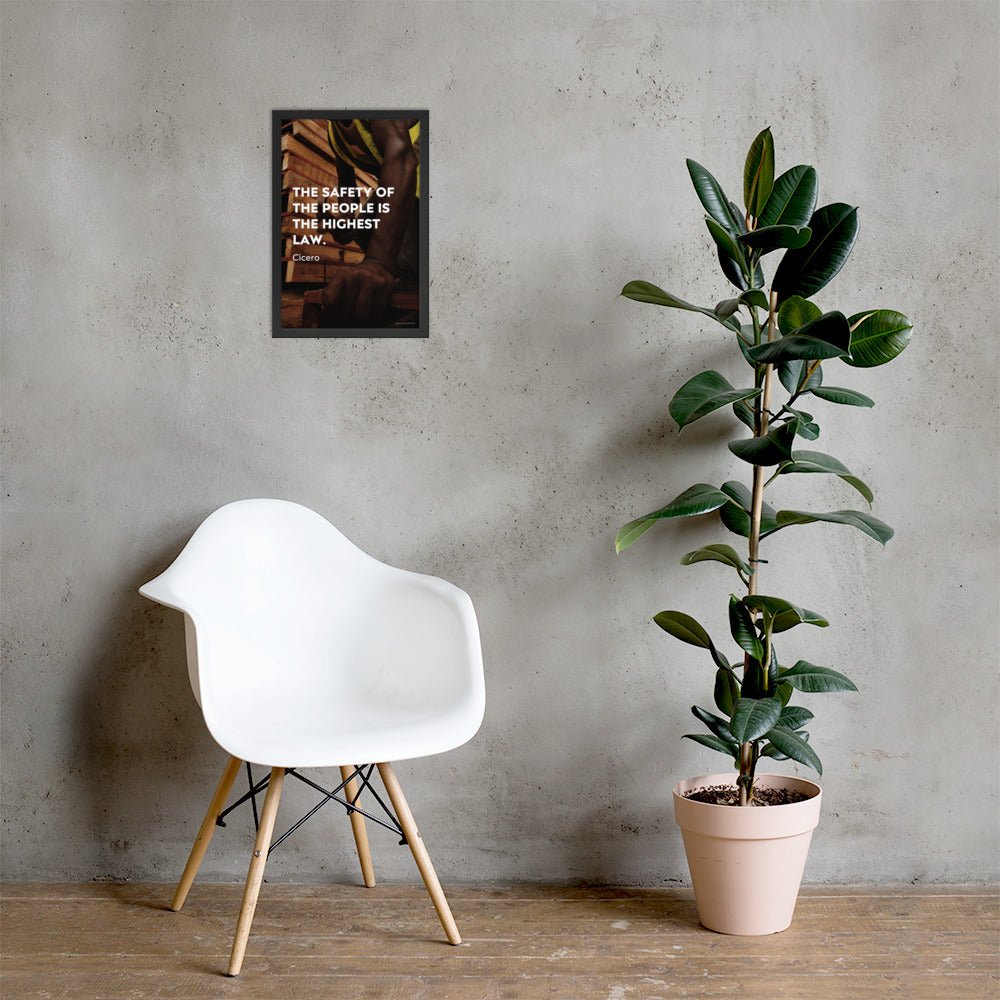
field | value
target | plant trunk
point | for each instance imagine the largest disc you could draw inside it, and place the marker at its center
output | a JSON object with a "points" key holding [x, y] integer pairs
{"points": [[747, 761]]}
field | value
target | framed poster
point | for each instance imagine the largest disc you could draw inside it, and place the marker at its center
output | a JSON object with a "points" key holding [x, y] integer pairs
{"points": [[350, 238]]}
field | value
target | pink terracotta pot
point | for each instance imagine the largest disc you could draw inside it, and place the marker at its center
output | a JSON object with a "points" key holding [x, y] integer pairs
{"points": [[746, 863]]}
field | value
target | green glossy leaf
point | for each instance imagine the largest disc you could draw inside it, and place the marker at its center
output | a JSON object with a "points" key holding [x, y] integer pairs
{"points": [[718, 553], [736, 515], [772, 751], [727, 691], [735, 267], [807, 430], [872, 526], [754, 297], [806, 270], [815, 680], [754, 685], [704, 393], [772, 448], [794, 347], [794, 717], [846, 397], [772, 607], [743, 630], [744, 414], [683, 627], [724, 309], [828, 336], [631, 532], [745, 343], [862, 487], [793, 198], [736, 520], [816, 461], [727, 244], [645, 291], [793, 375], [758, 173], [713, 198], [739, 493], [720, 727], [698, 499], [794, 746], [753, 717], [878, 337], [784, 620], [720, 661], [795, 312], [756, 284], [734, 273], [731, 749], [770, 238]]}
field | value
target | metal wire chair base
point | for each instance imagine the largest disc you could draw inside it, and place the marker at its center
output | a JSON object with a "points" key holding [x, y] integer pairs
{"points": [[362, 775]]}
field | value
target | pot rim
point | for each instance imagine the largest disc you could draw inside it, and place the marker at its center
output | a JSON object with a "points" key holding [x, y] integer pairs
{"points": [[765, 823], [810, 788]]}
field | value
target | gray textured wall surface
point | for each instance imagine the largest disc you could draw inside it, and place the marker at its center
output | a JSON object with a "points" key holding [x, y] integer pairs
{"points": [[142, 389]]}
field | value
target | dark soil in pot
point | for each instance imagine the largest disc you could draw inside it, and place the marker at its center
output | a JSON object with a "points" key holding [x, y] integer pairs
{"points": [[728, 795]]}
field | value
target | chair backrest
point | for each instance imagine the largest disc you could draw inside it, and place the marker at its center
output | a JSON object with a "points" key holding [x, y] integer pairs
{"points": [[248, 553], [275, 575]]}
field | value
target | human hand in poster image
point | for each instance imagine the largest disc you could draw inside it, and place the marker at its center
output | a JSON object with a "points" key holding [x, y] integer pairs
{"points": [[359, 295]]}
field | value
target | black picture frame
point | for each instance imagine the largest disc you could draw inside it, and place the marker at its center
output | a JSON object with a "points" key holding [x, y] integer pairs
{"points": [[316, 151]]}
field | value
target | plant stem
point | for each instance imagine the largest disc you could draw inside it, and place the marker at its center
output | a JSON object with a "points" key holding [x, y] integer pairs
{"points": [[746, 773], [772, 325], [756, 507], [763, 418]]}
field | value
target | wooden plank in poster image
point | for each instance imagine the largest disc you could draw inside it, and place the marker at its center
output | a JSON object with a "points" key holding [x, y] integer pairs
{"points": [[325, 177], [311, 131], [290, 179], [301, 272], [320, 159], [316, 272], [308, 154]]}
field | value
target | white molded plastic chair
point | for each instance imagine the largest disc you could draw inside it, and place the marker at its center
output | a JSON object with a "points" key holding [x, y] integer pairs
{"points": [[303, 651]]}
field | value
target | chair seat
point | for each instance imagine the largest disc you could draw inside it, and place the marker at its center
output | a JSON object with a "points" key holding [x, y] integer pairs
{"points": [[303, 730]]}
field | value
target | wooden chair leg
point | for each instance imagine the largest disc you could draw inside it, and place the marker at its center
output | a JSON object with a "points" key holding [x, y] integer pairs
{"points": [[256, 873], [420, 854], [358, 826], [204, 837]]}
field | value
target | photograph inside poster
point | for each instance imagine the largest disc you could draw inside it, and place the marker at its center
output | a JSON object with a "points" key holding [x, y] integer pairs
{"points": [[351, 226]]}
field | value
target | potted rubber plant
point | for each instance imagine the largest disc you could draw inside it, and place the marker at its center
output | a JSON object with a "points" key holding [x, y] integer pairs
{"points": [[786, 342]]}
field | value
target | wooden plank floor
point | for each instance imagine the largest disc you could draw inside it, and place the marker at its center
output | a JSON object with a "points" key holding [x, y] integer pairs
{"points": [[109, 941]]}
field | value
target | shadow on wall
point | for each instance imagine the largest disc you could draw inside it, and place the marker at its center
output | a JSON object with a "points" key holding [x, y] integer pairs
{"points": [[145, 744], [627, 822]]}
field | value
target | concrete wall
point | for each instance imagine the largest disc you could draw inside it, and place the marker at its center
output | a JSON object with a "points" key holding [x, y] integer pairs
{"points": [[142, 390]]}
